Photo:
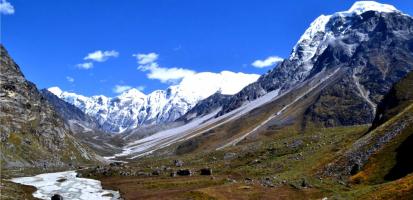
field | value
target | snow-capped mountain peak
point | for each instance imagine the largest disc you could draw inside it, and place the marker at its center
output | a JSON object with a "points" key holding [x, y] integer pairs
{"points": [[364, 6], [132, 108], [132, 93], [313, 41], [55, 90]]}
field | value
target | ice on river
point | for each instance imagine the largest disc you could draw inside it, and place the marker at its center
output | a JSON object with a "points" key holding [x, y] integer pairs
{"points": [[67, 185]]}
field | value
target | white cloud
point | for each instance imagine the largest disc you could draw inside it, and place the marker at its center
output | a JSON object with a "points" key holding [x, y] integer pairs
{"points": [[6, 8], [86, 65], [144, 59], [270, 61], [121, 88], [70, 79], [101, 56], [147, 63]]}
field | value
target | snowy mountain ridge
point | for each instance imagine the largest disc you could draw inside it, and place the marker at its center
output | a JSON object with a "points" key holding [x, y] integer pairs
{"points": [[315, 39], [133, 108]]}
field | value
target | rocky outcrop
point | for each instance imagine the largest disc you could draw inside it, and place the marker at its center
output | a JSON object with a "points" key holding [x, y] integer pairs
{"points": [[32, 134], [399, 96], [391, 129]]}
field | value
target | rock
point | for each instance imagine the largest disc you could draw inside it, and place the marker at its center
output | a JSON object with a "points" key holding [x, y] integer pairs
{"points": [[184, 172], [156, 172], [267, 182], [142, 174], [57, 197], [295, 143], [248, 180], [27, 141], [304, 183], [355, 169], [61, 180], [231, 180], [206, 171], [229, 156], [116, 164], [123, 173], [256, 161], [178, 163]]}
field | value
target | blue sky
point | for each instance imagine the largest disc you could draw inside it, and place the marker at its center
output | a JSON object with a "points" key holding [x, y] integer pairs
{"points": [[49, 39]]}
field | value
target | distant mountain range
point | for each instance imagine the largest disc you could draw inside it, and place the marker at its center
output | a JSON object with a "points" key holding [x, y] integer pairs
{"points": [[132, 108]]}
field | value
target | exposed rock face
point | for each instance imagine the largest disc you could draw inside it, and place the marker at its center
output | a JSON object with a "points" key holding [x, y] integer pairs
{"points": [[206, 106], [382, 57], [73, 116], [399, 96], [32, 134], [393, 122], [372, 42]]}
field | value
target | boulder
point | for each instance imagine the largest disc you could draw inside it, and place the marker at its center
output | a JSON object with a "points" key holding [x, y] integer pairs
{"points": [[206, 171], [184, 172], [229, 156], [178, 163], [156, 172], [57, 197]]}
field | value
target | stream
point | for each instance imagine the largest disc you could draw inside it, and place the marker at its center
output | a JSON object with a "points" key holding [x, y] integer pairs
{"points": [[67, 185]]}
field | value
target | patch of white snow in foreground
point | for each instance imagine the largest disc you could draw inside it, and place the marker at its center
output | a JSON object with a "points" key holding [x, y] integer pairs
{"points": [[72, 188]]}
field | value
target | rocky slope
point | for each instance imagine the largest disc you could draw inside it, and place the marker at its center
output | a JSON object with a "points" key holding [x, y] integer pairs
{"points": [[84, 127], [382, 154], [372, 42], [77, 120], [133, 108], [32, 134]]}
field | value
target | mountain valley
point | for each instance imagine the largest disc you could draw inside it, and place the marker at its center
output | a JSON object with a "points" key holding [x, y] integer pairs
{"points": [[334, 120]]}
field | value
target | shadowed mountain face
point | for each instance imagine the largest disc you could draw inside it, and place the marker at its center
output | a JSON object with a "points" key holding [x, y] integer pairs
{"points": [[382, 154], [32, 134], [373, 48], [72, 115]]}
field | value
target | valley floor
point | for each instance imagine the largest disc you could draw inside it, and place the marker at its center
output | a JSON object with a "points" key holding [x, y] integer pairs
{"points": [[285, 165], [279, 164]]}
